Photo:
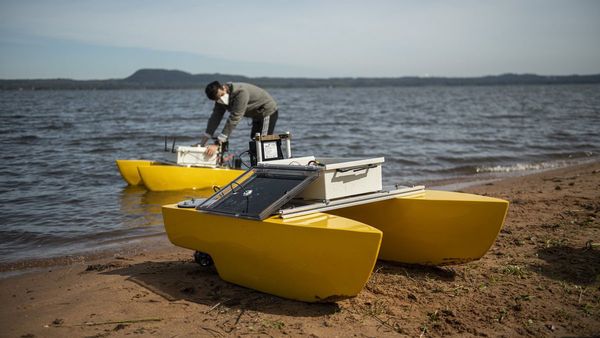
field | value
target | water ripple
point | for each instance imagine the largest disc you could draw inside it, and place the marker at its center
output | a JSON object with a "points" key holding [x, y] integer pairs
{"points": [[60, 191]]}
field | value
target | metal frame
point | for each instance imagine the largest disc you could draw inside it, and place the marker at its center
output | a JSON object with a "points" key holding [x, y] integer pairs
{"points": [[349, 201], [258, 138]]}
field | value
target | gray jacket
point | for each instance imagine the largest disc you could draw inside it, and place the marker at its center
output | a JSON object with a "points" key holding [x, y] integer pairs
{"points": [[244, 100]]}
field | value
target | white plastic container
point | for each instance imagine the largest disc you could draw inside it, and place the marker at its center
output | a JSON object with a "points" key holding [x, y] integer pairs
{"points": [[342, 177], [195, 156]]}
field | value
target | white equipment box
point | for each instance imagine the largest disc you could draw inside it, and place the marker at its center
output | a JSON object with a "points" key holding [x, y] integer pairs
{"points": [[340, 177], [195, 156]]}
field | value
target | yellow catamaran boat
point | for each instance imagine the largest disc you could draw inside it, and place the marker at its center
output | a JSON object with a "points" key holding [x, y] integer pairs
{"points": [[158, 176], [191, 170], [129, 170], [309, 229], [171, 177], [434, 227], [310, 258]]}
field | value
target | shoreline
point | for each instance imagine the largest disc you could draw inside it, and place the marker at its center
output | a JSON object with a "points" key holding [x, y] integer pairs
{"points": [[540, 278], [482, 178], [127, 248], [140, 244]]}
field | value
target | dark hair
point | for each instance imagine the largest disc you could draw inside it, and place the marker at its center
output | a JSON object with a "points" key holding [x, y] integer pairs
{"points": [[212, 89]]}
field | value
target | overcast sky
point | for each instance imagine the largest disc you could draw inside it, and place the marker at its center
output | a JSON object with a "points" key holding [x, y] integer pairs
{"points": [[111, 39]]}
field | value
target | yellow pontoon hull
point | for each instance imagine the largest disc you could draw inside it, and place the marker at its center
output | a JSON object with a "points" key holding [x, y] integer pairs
{"points": [[318, 257], [129, 170], [172, 177], [434, 228]]}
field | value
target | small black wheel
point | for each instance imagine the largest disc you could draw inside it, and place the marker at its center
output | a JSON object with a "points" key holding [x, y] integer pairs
{"points": [[203, 259]]}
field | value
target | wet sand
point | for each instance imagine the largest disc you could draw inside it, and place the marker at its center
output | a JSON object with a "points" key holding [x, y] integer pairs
{"points": [[540, 278]]}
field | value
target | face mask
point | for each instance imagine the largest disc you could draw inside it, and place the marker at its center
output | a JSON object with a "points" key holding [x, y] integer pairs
{"points": [[224, 99]]}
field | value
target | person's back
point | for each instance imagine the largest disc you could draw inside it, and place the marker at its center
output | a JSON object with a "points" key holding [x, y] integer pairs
{"points": [[260, 103], [241, 100]]}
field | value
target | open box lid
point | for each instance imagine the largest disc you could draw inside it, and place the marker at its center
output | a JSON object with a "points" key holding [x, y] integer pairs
{"points": [[331, 163], [260, 191], [345, 164], [267, 188]]}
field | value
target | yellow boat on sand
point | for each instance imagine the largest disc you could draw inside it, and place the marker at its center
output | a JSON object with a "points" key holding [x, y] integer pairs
{"points": [[317, 257], [433, 228], [261, 236]]}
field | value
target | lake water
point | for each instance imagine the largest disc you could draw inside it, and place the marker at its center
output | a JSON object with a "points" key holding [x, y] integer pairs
{"points": [[61, 193]]}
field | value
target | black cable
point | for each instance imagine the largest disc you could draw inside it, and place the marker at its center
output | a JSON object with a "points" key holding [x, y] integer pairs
{"points": [[243, 194], [239, 185], [240, 156]]}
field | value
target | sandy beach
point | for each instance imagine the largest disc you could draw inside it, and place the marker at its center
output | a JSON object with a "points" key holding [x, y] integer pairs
{"points": [[540, 278]]}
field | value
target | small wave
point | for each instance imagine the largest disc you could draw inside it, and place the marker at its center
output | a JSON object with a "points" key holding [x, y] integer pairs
{"points": [[558, 160], [402, 161], [517, 167], [103, 150], [25, 139], [58, 126], [505, 116], [18, 238], [463, 169], [466, 160]]}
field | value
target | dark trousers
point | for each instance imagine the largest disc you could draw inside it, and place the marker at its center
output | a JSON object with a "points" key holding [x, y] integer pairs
{"points": [[264, 125]]}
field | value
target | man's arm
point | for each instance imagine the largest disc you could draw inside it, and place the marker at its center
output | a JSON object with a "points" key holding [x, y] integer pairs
{"points": [[213, 121], [236, 113]]}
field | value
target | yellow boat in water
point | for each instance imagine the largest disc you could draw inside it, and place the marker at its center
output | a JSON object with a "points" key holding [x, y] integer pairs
{"points": [[184, 167], [129, 170], [317, 257], [158, 176], [173, 177]]}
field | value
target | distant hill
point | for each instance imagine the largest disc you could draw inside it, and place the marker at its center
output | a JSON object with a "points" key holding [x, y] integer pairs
{"points": [[176, 79], [160, 77]]}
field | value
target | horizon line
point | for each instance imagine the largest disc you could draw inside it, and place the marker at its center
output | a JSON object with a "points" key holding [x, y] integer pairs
{"points": [[427, 76]]}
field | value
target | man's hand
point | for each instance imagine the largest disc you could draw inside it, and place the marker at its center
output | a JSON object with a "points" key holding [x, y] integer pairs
{"points": [[211, 149]]}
